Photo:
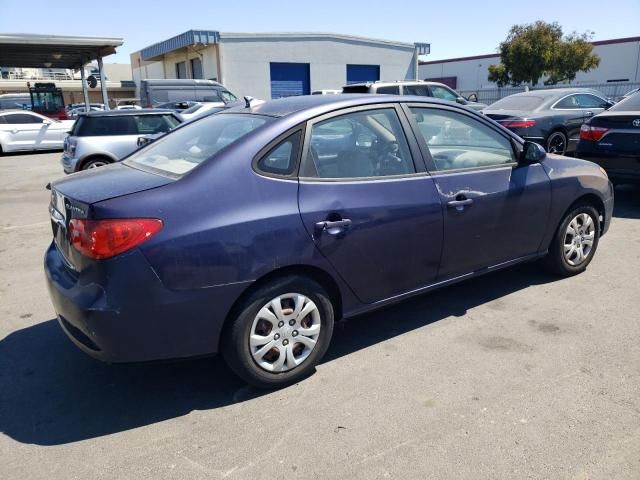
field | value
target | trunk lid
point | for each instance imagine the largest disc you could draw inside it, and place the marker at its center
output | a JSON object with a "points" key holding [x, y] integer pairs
{"points": [[75, 196], [498, 115], [622, 136]]}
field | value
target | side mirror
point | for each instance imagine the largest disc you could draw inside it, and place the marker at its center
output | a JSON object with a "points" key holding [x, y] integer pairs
{"points": [[461, 100], [144, 141], [609, 105], [532, 153], [47, 122], [473, 97]]}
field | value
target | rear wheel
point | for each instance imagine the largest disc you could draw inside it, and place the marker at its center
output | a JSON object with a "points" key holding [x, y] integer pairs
{"points": [[557, 143], [575, 242], [279, 333], [95, 163]]}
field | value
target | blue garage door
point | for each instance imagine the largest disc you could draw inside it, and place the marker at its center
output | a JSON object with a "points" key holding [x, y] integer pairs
{"points": [[289, 79], [362, 73]]}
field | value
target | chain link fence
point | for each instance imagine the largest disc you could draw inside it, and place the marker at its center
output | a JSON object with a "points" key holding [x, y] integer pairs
{"points": [[613, 91]]}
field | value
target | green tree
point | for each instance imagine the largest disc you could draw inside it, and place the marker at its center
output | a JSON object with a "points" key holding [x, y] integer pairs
{"points": [[537, 50]]}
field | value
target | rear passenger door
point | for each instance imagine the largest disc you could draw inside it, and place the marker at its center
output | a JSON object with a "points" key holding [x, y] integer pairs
{"points": [[368, 203], [494, 209]]}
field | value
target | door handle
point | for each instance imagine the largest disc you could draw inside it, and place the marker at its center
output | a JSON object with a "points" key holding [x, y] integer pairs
{"points": [[460, 204], [588, 114], [333, 227]]}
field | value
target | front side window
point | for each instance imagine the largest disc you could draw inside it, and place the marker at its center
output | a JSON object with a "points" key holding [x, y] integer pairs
{"points": [[591, 101], [568, 103], [443, 93], [227, 96], [458, 141], [419, 90], [152, 124], [187, 147], [368, 143]]}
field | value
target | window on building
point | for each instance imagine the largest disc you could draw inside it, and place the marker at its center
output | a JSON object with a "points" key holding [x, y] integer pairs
{"points": [[181, 70], [196, 68]]}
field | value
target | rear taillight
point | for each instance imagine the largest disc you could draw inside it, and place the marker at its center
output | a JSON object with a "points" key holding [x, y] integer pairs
{"points": [[593, 134], [102, 239], [70, 146], [518, 123]]}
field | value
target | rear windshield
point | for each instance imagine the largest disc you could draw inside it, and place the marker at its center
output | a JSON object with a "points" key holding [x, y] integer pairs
{"points": [[124, 125], [187, 147], [518, 102], [631, 103]]}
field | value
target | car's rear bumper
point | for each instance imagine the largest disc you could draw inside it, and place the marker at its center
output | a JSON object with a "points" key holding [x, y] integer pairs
{"points": [[125, 314], [69, 164], [619, 168]]}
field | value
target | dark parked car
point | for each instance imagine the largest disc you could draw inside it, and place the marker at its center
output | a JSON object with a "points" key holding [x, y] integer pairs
{"points": [[612, 140], [249, 232], [551, 117]]}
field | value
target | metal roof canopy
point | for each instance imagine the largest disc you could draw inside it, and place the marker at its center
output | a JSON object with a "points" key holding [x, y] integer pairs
{"points": [[53, 51]]}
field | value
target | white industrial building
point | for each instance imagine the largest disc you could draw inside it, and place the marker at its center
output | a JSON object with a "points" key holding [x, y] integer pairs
{"points": [[272, 65], [619, 63]]}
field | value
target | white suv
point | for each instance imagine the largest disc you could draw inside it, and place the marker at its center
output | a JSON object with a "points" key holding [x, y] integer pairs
{"points": [[413, 87]]}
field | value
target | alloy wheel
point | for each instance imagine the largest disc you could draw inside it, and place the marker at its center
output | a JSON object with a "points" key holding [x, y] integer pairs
{"points": [[557, 143], [578, 239]]}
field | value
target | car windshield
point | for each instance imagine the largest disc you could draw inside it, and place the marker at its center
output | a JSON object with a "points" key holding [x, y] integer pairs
{"points": [[518, 102], [187, 147], [630, 103]]}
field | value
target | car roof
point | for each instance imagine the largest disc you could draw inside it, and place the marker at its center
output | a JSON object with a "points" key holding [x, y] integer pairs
{"points": [[385, 83], [553, 92], [122, 113], [326, 103]]}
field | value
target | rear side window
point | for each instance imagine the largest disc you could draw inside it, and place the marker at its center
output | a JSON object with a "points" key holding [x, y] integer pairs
{"points": [[392, 90], [104, 126], [281, 159], [22, 118], [151, 124], [355, 89]]}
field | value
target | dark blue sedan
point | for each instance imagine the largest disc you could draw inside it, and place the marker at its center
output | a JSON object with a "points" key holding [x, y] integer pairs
{"points": [[250, 232]]}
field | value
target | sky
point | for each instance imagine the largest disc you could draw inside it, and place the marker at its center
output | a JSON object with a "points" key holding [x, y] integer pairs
{"points": [[454, 29]]}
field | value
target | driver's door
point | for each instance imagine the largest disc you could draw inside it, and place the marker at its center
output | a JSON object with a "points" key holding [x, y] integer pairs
{"points": [[370, 210]]}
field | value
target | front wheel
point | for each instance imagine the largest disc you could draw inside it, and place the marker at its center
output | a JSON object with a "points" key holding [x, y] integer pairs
{"points": [[279, 333], [575, 242]]}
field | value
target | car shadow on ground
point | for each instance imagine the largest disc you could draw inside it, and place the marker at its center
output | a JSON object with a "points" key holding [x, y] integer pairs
{"points": [[627, 201], [51, 393], [29, 152]]}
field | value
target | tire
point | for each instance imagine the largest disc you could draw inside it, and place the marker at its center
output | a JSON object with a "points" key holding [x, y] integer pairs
{"points": [[278, 365], [564, 251], [95, 163], [556, 143]]}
